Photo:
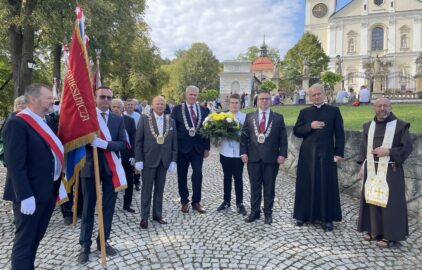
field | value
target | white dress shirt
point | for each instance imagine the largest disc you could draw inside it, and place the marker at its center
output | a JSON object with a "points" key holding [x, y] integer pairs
{"points": [[57, 163], [159, 119], [194, 109], [231, 148], [106, 114], [267, 115]]}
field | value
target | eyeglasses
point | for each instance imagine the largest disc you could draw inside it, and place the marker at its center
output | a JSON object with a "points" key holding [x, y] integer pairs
{"points": [[264, 98], [103, 97]]}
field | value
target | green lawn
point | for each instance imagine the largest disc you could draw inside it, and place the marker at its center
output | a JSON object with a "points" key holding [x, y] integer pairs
{"points": [[354, 117]]}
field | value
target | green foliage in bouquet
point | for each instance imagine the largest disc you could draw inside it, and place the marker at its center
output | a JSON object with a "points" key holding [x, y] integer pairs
{"points": [[221, 125]]}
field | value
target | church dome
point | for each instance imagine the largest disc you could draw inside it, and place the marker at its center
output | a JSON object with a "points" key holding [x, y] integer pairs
{"points": [[263, 63]]}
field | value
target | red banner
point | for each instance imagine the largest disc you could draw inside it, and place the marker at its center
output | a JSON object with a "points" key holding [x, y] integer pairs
{"points": [[78, 118]]}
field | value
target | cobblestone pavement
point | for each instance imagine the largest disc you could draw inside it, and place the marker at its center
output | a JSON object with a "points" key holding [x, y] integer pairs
{"points": [[220, 240]]}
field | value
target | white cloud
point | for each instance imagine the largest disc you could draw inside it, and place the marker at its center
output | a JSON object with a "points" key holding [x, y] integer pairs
{"points": [[228, 27]]}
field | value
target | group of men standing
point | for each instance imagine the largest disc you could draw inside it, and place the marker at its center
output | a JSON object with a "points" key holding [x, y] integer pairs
{"points": [[160, 143]]}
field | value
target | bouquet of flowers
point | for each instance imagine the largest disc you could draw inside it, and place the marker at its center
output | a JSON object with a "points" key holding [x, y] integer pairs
{"points": [[221, 125]]}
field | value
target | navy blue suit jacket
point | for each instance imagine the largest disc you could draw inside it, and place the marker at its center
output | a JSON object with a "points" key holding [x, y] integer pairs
{"points": [[30, 163], [184, 141], [116, 127]]}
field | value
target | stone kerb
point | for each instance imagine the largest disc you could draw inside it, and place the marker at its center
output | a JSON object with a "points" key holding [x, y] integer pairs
{"points": [[349, 181]]}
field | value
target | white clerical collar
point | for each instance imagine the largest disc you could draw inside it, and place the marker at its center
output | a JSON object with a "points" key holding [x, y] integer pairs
{"points": [[320, 105]]}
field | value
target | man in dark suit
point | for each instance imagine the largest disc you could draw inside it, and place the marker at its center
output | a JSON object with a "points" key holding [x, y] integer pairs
{"points": [[116, 128], [192, 148], [264, 148], [32, 168], [127, 155], [156, 152]]}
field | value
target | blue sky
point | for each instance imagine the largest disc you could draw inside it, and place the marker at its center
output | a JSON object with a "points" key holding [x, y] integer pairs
{"points": [[228, 27]]}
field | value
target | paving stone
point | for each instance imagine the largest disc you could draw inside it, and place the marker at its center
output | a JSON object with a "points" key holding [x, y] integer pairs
{"points": [[219, 240]]}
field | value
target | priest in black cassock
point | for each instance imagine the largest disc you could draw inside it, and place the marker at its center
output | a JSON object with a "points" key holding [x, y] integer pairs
{"points": [[386, 223], [317, 196]]}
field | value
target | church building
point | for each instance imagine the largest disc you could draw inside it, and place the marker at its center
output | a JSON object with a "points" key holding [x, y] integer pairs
{"points": [[370, 42]]}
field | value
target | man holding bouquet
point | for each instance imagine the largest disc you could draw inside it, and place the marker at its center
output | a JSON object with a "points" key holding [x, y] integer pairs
{"points": [[231, 162], [263, 147]]}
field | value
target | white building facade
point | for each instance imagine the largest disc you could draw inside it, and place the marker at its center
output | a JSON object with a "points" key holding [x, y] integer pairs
{"points": [[375, 39]]}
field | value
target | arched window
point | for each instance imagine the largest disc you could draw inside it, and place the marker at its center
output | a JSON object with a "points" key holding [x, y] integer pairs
{"points": [[235, 87], [378, 39], [404, 42], [351, 46]]}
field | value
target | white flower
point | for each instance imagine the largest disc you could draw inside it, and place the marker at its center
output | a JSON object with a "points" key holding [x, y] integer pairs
{"points": [[206, 119], [229, 120]]}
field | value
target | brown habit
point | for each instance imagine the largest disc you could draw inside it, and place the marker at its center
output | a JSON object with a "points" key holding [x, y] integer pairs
{"points": [[390, 222]]}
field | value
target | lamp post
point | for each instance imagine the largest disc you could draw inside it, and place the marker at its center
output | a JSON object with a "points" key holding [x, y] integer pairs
{"points": [[30, 64]]}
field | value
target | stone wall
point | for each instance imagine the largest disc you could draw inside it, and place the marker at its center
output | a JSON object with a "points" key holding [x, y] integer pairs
{"points": [[349, 181]]}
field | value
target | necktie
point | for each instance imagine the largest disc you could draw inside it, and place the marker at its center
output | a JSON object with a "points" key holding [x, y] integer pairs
{"points": [[193, 115], [262, 124], [103, 114], [160, 125]]}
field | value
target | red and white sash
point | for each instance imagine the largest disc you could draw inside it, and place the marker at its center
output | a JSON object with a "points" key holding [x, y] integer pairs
{"points": [[36, 122], [113, 161]]}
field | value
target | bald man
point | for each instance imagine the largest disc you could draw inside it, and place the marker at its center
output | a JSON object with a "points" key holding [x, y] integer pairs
{"points": [[385, 146], [155, 153]]}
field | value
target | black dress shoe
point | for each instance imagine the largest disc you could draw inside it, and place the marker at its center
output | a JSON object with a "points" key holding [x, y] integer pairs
{"points": [[83, 256], [241, 209], [252, 217], [329, 227], [67, 220], [144, 224], [160, 220], [300, 223], [110, 251], [130, 210], [225, 205], [268, 219]]}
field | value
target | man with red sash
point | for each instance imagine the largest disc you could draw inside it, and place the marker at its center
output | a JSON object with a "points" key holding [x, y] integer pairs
{"points": [[110, 141], [34, 157]]}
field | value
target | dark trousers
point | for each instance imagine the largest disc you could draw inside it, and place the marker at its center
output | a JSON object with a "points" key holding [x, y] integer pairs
{"points": [[262, 175], [232, 168], [127, 198], [90, 198], [137, 179], [67, 207], [194, 159], [153, 178], [30, 230]]}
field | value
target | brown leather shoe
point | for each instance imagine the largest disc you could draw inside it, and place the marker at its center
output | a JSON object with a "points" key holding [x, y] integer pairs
{"points": [[198, 207], [144, 224], [185, 207], [160, 220]]}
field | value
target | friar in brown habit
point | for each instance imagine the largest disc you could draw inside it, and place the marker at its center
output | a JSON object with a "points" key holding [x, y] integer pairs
{"points": [[386, 144]]}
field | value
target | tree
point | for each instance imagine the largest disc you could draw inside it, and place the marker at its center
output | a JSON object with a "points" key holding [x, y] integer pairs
{"points": [[330, 79], [307, 47], [196, 66], [208, 95], [268, 86], [253, 53]]}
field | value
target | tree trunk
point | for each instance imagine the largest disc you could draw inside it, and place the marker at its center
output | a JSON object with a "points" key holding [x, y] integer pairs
{"points": [[57, 55], [21, 42]]}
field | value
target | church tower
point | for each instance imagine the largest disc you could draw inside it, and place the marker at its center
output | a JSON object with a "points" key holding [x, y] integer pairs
{"points": [[317, 17]]}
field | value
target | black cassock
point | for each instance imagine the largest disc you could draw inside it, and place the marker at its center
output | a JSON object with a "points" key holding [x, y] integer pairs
{"points": [[390, 222], [317, 193]]}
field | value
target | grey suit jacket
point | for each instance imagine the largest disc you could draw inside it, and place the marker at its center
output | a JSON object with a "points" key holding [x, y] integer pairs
{"points": [[147, 149], [116, 127], [275, 145]]}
